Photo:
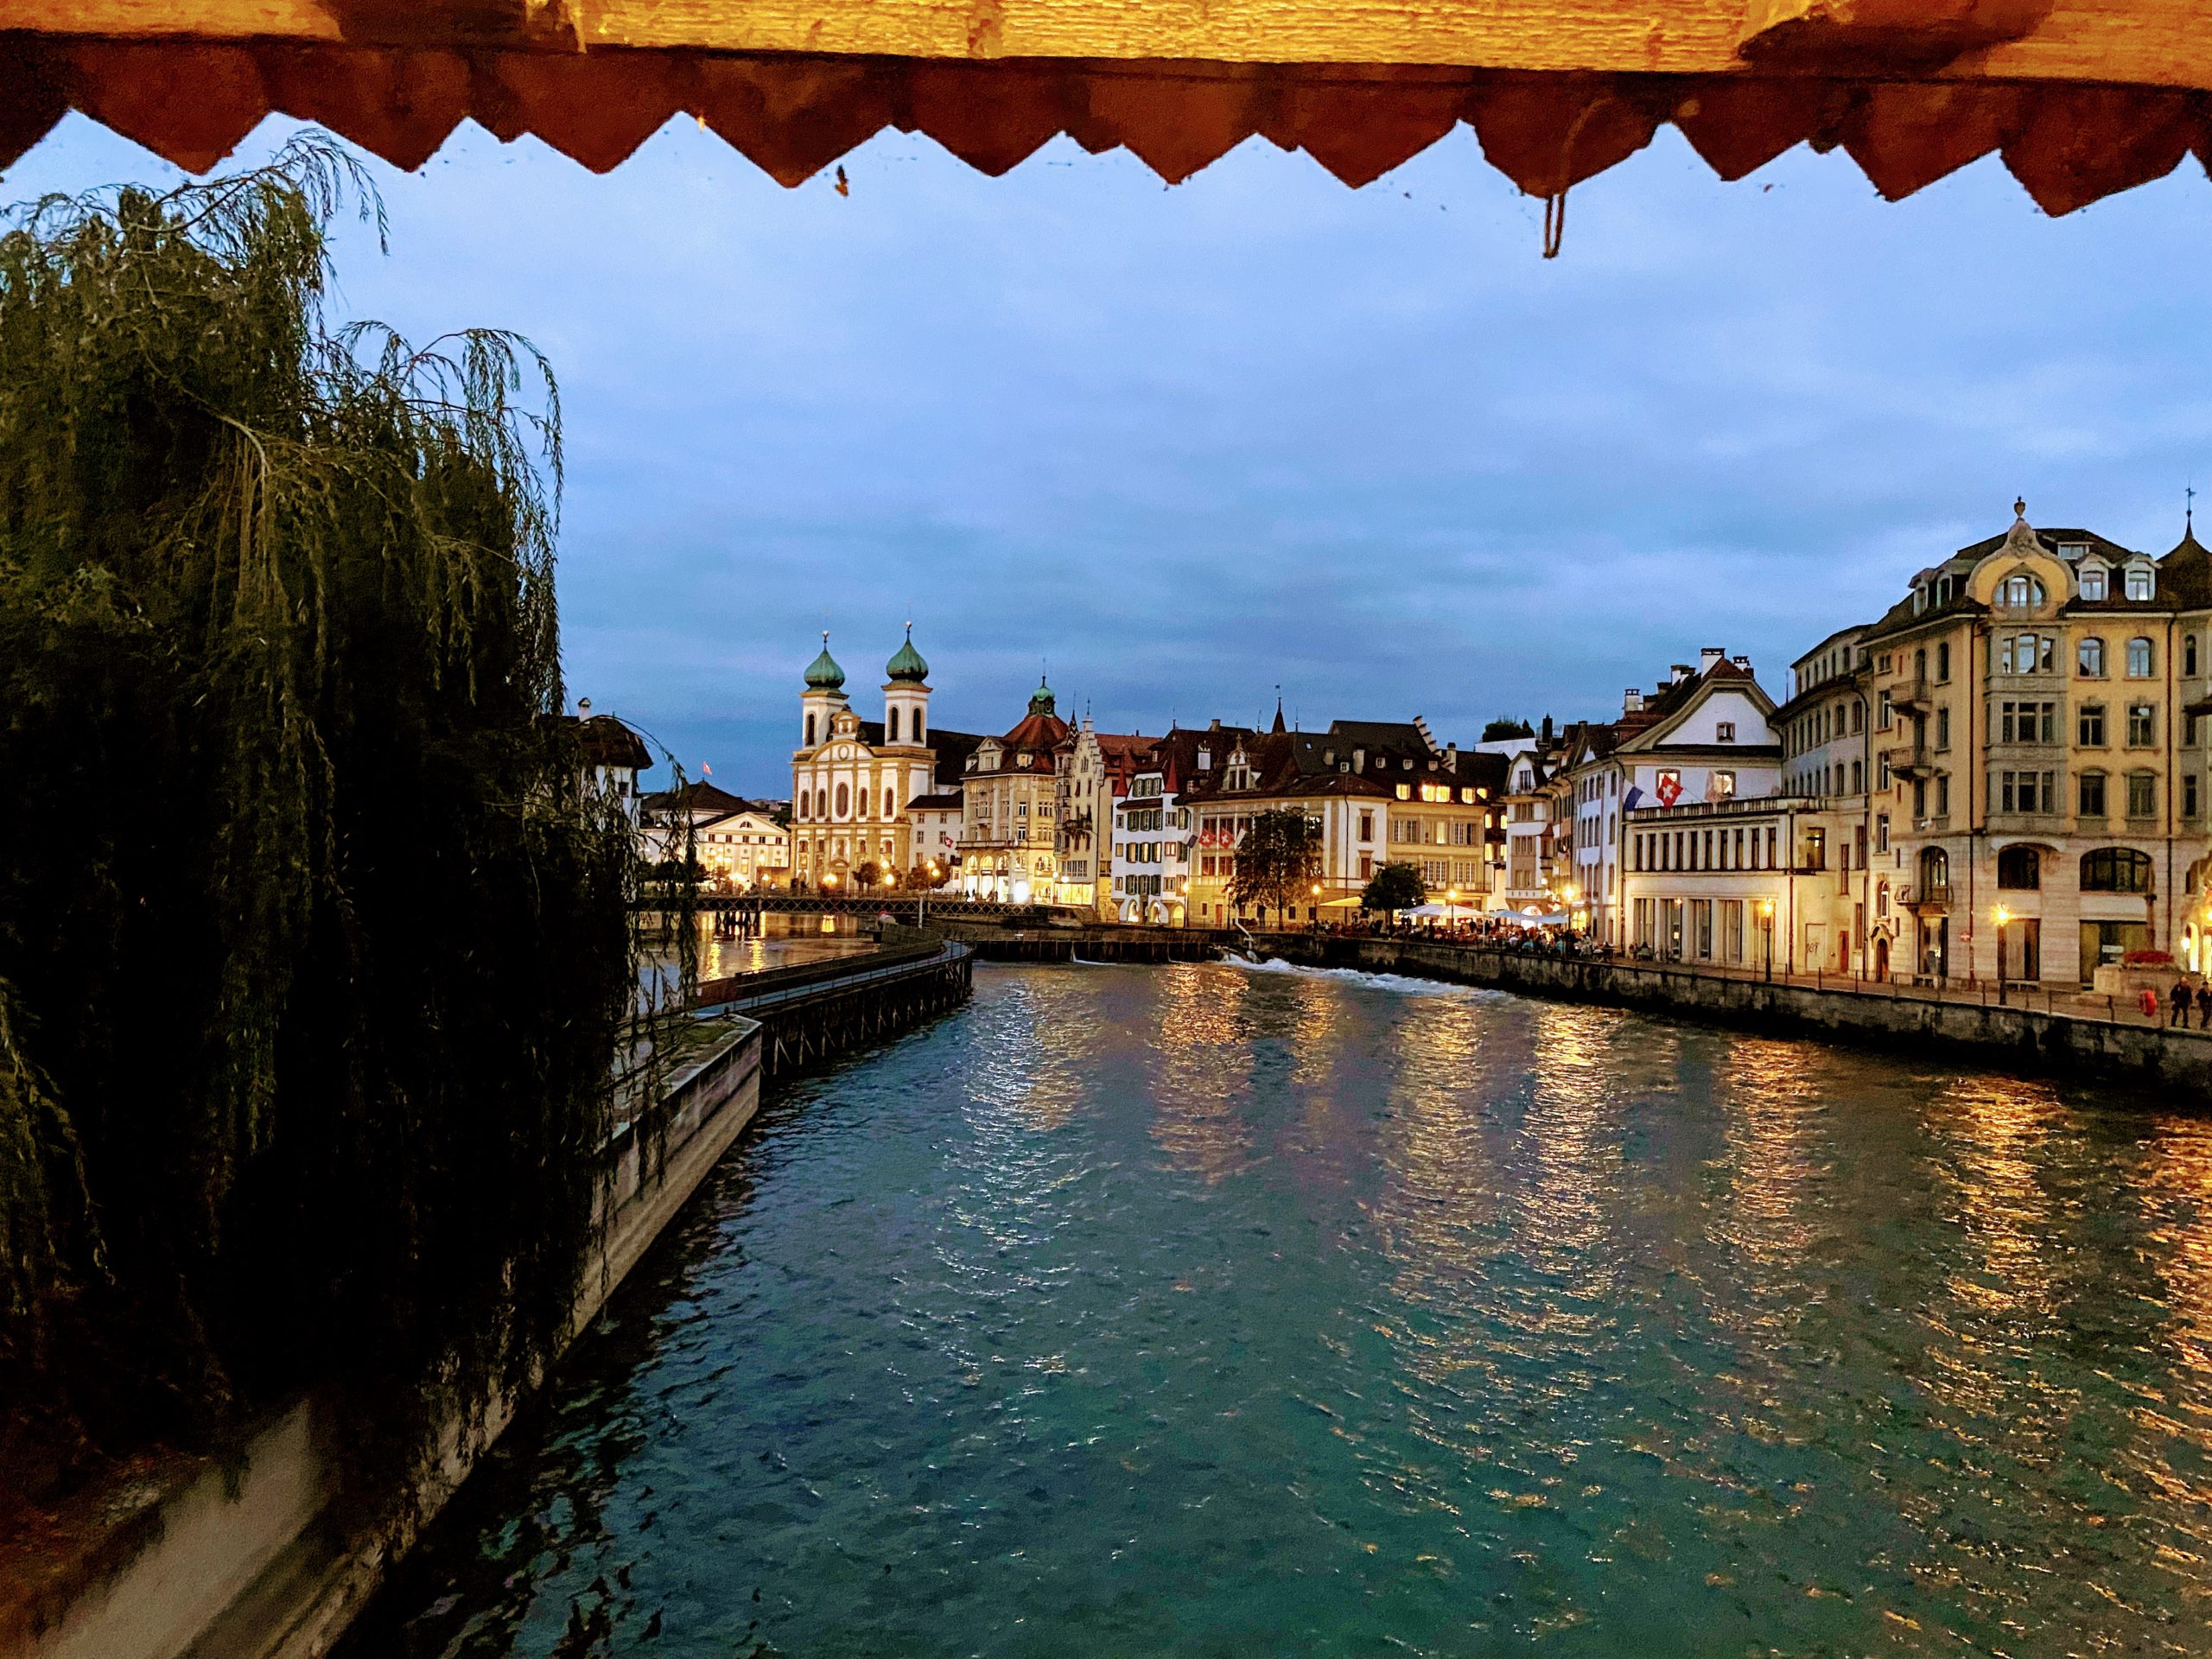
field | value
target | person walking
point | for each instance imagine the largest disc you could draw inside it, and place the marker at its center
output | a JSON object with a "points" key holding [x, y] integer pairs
{"points": [[2179, 1000]]}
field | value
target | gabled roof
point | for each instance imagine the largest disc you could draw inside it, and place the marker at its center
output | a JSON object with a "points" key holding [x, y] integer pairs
{"points": [[944, 800], [1675, 704], [603, 740], [701, 799]]}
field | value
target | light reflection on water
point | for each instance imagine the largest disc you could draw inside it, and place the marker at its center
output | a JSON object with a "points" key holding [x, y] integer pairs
{"points": [[1197, 1311]]}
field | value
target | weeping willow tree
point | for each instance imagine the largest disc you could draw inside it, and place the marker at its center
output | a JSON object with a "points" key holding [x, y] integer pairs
{"points": [[313, 948]]}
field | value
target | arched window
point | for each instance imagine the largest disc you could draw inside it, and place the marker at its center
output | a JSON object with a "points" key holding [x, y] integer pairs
{"points": [[844, 801], [2020, 592], [2189, 655], [891, 725], [2019, 867], [2090, 657], [1920, 663], [2140, 660], [804, 797], [1934, 870], [890, 805], [2115, 869], [809, 731], [919, 724]]}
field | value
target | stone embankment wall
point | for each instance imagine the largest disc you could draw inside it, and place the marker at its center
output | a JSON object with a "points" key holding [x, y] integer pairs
{"points": [[2017, 1038], [244, 1562]]}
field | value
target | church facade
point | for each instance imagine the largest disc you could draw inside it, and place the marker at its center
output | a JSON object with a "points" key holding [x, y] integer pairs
{"points": [[852, 778]]}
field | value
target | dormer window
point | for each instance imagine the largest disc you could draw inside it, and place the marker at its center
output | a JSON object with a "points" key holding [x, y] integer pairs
{"points": [[2093, 582], [2140, 583], [2071, 551], [1919, 601], [2019, 592]]}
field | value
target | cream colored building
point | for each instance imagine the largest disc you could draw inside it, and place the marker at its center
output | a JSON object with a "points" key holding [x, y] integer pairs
{"points": [[2039, 704], [746, 848], [1010, 799], [851, 778]]}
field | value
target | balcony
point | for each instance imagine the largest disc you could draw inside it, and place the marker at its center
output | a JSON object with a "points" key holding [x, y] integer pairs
{"points": [[1912, 693], [1934, 899], [1909, 760]]}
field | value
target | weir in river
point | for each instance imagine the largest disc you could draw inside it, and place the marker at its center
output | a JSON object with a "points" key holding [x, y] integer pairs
{"points": [[1206, 1309]]}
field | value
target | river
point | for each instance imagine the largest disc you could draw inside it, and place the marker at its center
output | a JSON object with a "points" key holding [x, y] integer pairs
{"points": [[1202, 1310]]}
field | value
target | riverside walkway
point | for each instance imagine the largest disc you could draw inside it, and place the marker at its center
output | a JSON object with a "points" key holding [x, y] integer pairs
{"points": [[2053, 1032]]}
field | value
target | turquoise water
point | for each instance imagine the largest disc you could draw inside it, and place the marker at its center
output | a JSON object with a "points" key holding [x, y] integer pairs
{"points": [[1204, 1311]]}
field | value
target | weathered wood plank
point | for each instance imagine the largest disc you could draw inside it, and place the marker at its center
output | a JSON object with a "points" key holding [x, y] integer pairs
{"points": [[2141, 42]]}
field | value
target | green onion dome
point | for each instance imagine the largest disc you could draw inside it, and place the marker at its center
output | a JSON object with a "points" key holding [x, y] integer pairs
{"points": [[907, 665], [822, 674]]}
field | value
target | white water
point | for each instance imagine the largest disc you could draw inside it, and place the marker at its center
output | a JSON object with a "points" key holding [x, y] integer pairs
{"points": [[1397, 984]]}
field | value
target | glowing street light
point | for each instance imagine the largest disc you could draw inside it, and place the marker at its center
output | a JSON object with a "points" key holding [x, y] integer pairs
{"points": [[1766, 925], [2002, 916]]}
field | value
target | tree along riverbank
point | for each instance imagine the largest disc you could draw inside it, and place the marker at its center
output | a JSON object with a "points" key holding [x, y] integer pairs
{"points": [[2005, 1034]]}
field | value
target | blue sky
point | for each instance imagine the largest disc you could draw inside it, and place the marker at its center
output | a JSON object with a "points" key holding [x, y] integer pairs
{"points": [[1186, 444]]}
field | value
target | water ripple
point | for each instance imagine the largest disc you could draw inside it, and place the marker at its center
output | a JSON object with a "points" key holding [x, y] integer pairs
{"points": [[1207, 1310]]}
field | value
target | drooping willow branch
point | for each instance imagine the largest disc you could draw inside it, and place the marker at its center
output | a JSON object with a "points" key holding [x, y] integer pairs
{"points": [[314, 957]]}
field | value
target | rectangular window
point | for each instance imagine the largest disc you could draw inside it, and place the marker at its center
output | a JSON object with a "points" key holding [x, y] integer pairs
{"points": [[2090, 794], [1942, 728], [1943, 662], [2142, 794], [1883, 717], [2089, 726], [1724, 731], [1724, 786], [2188, 795], [2142, 725], [1943, 794]]}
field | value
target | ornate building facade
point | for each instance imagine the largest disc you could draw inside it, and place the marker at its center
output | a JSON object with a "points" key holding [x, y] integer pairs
{"points": [[2037, 705], [852, 779], [1011, 793]]}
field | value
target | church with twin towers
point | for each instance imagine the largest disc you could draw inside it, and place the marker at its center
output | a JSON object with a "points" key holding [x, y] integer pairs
{"points": [[855, 782]]}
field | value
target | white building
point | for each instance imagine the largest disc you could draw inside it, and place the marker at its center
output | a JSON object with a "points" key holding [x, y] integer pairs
{"points": [[1701, 737]]}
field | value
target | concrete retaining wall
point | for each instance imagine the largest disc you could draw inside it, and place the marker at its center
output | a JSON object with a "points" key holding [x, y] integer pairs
{"points": [[245, 1563], [2012, 1037]]}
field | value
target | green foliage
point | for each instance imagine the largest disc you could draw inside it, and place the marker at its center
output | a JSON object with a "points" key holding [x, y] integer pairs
{"points": [[1278, 861], [1394, 887], [868, 875], [313, 952]]}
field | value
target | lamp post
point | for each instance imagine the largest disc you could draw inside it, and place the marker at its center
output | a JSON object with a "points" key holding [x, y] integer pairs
{"points": [[1766, 926], [2002, 916]]}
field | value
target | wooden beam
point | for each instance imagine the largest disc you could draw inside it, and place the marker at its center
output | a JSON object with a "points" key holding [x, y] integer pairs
{"points": [[2134, 42]]}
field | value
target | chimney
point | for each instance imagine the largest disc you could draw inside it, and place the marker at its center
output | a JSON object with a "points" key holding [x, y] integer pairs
{"points": [[1744, 663], [1214, 725], [1548, 725], [1677, 672], [1711, 657], [1631, 701], [1359, 759], [583, 708]]}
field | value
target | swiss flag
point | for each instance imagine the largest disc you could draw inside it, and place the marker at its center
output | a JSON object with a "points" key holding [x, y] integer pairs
{"points": [[1669, 789]]}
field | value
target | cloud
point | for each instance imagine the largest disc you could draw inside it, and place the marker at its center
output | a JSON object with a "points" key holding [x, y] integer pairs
{"points": [[1186, 445]]}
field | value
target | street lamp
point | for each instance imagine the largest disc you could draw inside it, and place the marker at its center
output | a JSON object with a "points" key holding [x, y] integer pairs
{"points": [[1766, 926], [2001, 917]]}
